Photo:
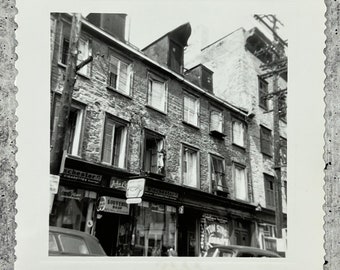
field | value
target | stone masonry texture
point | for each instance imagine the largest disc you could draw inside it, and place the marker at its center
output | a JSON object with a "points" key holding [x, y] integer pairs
{"points": [[100, 100]]}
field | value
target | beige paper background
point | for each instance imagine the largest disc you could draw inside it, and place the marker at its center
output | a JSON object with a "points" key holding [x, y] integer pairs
{"points": [[305, 134]]}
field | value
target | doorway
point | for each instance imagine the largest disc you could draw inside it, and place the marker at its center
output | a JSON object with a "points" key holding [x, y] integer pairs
{"points": [[188, 239]]}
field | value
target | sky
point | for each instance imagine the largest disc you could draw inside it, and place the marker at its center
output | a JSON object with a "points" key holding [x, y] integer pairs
{"points": [[150, 20]]}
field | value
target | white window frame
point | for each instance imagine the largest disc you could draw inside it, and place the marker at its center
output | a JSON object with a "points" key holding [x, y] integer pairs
{"points": [[185, 180], [218, 187], [122, 158], [244, 195], [129, 74], [159, 154], [85, 70], [78, 129], [236, 140], [152, 78], [195, 112], [88, 52]]}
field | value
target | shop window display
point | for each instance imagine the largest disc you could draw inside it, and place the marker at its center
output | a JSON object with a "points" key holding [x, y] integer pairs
{"points": [[155, 230], [73, 209]]}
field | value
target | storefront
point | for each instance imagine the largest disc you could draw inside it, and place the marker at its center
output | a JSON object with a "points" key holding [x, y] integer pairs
{"points": [[92, 198]]}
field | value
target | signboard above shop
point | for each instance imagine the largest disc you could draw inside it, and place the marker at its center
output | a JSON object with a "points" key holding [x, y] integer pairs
{"points": [[113, 205]]}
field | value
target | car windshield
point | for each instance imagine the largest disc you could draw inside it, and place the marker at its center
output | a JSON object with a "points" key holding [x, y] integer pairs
{"points": [[71, 244]]}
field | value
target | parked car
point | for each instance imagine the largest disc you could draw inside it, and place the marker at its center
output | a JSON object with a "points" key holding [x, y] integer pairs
{"points": [[238, 251], [67, 242]]}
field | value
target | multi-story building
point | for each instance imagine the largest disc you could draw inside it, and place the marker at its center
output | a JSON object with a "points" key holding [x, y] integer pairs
{"points": [[135, 114], [237, 61]]}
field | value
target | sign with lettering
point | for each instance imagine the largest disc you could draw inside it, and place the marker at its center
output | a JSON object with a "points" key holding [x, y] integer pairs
{"points": [[118, 184], [135, 188], [71, 194], [214, 230], [113, 205], [161, 193], [54, 183], [78, 175]]}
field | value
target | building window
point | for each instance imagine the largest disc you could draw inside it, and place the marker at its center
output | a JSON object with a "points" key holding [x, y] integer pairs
{"points": [[157, 93], [241, 183], [155, 230], [283, 151], [238, 132], [120, 75], [217, 174], [84, 50], [190, 166], [263, 92], [269, 186], [154, 153], [190, 109], [64, 51], [216, 120], [73, 127], [266, 141], [114, 143], [283, 106]]}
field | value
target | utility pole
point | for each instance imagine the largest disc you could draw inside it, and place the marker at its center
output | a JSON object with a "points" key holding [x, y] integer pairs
{"points": [[59, 146], [275, 68]]}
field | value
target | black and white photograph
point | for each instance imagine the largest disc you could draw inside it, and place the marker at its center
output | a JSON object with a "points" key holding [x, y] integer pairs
{"points": [[168, 131]]}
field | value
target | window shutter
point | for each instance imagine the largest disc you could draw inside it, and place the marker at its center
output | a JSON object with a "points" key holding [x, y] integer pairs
{"points": [[215, 121], [266, 141], [123, 78], [108, 141]]}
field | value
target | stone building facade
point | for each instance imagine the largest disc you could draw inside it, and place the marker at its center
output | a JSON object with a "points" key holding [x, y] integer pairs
{"points": [[236, 63], [136, 115]]}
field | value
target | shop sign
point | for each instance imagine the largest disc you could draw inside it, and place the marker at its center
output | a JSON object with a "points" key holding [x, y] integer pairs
{"points": [[161, 193], [133, 200], [82, 176], [214, 232], [113, 205], [135, 188], [54, 183], [70, 194], [118, 184]]}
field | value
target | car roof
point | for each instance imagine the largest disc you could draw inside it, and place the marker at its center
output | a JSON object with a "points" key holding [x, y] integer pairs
{"points": [[246, 249], [70, 231]]}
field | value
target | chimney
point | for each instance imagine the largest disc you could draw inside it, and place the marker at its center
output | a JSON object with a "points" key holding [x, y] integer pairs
{"points": [[112, 23]]}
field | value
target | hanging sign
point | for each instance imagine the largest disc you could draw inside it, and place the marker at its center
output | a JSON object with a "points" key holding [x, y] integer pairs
{"points": [[135, 188], [54, 183], [113, 205]]}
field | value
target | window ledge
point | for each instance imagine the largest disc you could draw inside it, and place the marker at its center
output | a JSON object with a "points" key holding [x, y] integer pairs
{"points": [[108, 165], [155, 109], [239, 146], [217, 134], [267, 155], [60, 64], [190, 125], [118, 92]]}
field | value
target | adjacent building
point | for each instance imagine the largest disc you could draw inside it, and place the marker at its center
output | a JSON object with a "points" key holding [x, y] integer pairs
{"points": [[237, 61], [140, 114]]}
